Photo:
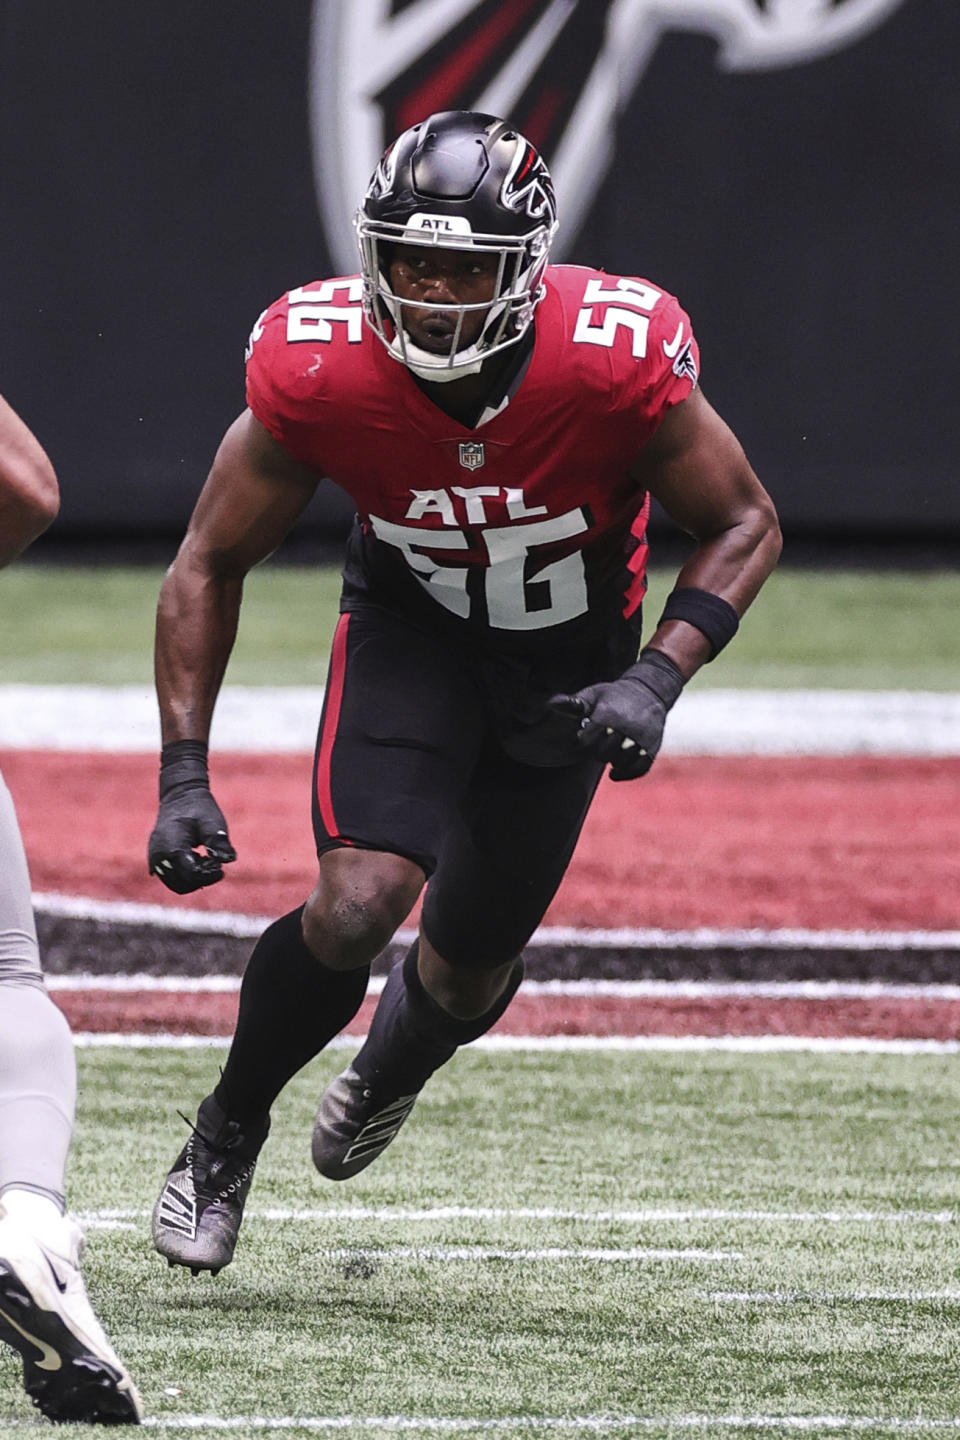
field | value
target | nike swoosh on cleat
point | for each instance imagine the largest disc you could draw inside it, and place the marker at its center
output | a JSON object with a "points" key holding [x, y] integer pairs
{"points": [[49, 1360], [60, 1284], [671, 349]]}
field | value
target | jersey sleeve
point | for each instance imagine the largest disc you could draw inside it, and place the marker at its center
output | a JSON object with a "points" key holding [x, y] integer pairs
{"points": [[282, 388], [673, 360], [636, 351]]}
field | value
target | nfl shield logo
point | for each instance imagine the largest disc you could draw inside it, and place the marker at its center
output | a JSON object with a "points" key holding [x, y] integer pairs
{"points": [[471, 454]]}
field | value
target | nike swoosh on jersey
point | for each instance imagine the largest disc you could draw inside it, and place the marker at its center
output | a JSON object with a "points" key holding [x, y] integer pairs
{"points": [[671, 349], [49, 1359]]}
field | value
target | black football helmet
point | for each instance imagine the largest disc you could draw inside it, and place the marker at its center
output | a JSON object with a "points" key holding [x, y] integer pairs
{"points": [[458, 180]]}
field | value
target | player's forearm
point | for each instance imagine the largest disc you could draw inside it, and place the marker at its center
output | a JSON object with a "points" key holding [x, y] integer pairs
{"points": [[29, 494], [196, 626], [733, 566], [22, 520]]}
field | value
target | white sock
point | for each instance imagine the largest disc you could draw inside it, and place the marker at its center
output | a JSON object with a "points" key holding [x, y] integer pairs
{"points": [[35, 1212]]}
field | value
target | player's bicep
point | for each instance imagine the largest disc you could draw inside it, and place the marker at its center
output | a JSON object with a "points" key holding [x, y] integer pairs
{"points": [[696, 468], [254, 494]]}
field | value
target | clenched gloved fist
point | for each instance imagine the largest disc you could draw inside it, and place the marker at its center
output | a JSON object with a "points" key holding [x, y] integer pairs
{"points": [[623, 719], [189, 816]]}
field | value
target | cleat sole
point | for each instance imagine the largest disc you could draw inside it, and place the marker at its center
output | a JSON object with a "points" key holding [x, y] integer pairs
{"points": [[66, 1381]]}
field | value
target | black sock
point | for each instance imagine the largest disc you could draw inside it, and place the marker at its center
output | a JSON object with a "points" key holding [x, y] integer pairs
{"points": [[291, 1006], [411, 1035]]}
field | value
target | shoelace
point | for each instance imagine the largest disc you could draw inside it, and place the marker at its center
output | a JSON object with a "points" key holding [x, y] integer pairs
{"points": [[224, 1174]]}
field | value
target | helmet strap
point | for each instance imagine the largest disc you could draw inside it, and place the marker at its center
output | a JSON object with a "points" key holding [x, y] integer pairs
{"points": [[427, 368]]}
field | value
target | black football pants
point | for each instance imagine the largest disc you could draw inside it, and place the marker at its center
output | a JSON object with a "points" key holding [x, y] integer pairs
{"points": [[407, 762]]}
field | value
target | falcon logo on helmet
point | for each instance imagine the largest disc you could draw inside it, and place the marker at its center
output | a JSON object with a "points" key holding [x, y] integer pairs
{"points": [[463, 181], [528, 187]]}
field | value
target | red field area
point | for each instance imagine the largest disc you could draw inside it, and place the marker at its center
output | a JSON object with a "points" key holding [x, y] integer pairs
{"points": [[534, 1014], [819, 842]]}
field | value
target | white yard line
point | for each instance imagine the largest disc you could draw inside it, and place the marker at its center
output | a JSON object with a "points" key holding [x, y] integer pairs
{"points": [[739, 1044], [832, 1297], [240, 926], [704, 721], [710, 938], [426, 1425], [153, 984], [650, 1215], [132, 912], [825, 990], [447, 1253], [369, 1255], [551, 1424]]}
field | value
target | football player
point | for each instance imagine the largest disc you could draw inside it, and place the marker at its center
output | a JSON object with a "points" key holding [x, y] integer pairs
{"points": [[70, 1370], [500, 425]]}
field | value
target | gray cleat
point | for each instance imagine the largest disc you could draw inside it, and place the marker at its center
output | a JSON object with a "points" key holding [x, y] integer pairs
{"points": [[354, 1125], [196, 1219]]}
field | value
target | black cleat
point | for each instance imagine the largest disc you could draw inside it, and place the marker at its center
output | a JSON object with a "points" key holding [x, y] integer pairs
{"points": [[355, 1124], [196, 1219], [70, 1370]]}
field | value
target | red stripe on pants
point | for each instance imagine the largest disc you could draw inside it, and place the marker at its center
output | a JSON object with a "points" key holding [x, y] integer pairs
{"points": [[331, 719]]}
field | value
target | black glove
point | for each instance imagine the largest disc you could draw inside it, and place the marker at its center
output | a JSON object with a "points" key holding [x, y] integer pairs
{"points": [[189, 816], [623, 719]]}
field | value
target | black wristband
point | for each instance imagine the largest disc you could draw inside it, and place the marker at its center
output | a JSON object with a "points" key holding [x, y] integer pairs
{"points": [[183, 762], [660, 674], [713, 616]]}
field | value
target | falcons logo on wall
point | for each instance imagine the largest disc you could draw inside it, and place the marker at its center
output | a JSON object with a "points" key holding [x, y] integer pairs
{"points": [[562, 70]]}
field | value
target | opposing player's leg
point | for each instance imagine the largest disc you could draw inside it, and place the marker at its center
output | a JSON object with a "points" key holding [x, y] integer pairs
{"points": [[393, 751], [500, 865], [70, 1370]]}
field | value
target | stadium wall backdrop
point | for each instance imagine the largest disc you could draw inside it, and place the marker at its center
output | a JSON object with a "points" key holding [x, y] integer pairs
{"points": [[788, 170]]}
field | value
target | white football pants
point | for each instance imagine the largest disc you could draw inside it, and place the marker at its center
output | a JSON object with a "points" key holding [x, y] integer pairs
{"points": [[37, 1064]]}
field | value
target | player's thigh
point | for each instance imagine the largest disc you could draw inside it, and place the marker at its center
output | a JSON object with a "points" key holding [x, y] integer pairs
{"points": [[399, 737], [504, 857]]}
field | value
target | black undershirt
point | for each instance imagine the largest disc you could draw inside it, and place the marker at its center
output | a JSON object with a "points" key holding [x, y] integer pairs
{"points": [[466, 400]]}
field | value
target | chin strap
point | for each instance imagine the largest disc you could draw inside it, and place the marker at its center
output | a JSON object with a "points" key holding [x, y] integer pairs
{"points": [[419, 360]]}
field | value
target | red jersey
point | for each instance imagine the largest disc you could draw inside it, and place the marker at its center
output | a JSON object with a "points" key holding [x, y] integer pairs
{"points": [[528, 521]]}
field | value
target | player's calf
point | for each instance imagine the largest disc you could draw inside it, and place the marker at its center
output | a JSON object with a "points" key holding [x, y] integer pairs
{"points": [[410, 1037]]}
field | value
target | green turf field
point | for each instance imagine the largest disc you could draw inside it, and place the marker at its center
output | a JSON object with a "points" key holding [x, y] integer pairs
{"points": [[809, 628], [803, 1263]]}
